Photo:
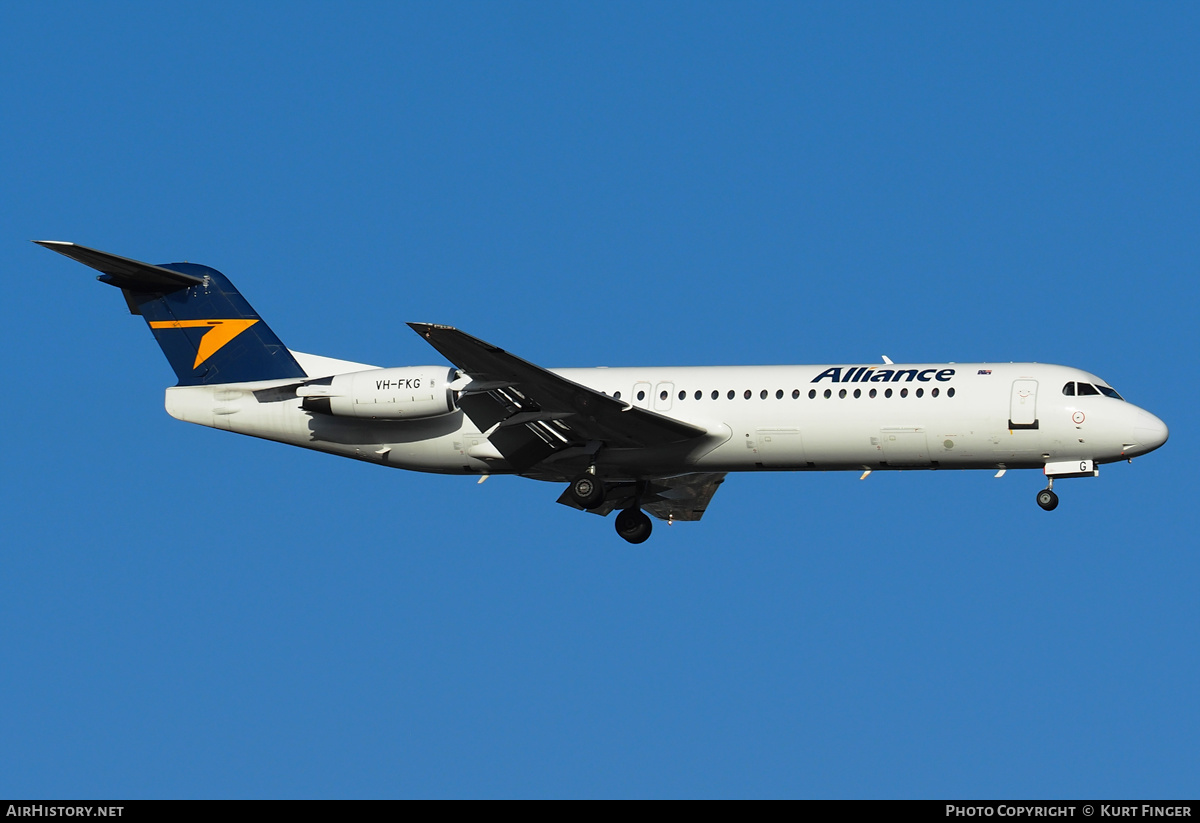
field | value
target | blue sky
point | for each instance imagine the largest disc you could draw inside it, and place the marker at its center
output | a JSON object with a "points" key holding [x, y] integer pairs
{"points": [[185, 613]]}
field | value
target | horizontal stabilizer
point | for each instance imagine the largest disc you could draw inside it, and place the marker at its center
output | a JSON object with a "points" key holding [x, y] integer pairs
{"points": [[123, 272], [208, 332]]}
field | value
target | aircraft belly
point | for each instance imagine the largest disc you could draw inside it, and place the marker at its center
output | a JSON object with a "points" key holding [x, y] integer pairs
{"points": [[863, 441], [436, 444], [439, 445]]}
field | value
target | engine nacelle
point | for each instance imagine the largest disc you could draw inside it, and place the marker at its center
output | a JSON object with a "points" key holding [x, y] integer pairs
{"points": [[404, 393]]}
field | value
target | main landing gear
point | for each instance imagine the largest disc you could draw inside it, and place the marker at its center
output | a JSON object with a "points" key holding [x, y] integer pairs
{"points": [[587, 491], [1046, 498], [633, 525]]}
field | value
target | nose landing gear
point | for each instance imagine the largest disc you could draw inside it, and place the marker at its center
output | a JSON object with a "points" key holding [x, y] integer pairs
{"points": [[1046, 498]]}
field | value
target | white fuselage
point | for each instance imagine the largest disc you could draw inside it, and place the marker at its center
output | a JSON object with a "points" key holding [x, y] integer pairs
{"points": [[787, 418]]}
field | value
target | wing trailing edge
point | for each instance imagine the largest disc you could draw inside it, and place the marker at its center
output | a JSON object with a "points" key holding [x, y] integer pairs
{"points": [[531, 413]]}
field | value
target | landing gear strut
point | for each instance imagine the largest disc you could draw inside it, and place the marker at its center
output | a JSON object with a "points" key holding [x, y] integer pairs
{"points": [[1046, 498], [587, 491], [633, 525]]}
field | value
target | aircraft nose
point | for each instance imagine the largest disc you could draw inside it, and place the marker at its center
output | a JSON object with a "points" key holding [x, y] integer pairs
{"points": [[1149, 432]]}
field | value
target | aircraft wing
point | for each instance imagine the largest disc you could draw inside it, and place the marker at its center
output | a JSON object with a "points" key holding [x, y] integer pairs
{"points": [[685, 497], [529, 413]]}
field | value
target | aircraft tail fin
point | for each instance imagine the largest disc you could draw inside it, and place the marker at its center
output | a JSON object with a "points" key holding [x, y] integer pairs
{"points": [[207, 330]]}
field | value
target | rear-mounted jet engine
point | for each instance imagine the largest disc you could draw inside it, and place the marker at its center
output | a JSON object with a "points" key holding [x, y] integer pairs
{"points": [[404, 393]]}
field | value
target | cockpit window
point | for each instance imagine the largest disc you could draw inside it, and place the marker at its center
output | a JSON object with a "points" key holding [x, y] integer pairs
{"points": [[1069, 390], [1110, 392], [1087, 388]]}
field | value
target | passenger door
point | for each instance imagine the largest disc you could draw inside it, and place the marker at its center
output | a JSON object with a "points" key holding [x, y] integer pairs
{"points": [[1022, 412]]}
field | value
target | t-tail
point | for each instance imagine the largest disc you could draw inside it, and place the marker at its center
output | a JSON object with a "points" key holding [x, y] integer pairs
{"points": [[207, 330]]}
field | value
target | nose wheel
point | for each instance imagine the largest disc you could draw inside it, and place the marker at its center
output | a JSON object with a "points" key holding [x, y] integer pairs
{"points": [[1047, 499]]}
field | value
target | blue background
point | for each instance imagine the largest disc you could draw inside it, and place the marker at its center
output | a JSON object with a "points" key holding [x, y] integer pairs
{"points": [[185, 613]]}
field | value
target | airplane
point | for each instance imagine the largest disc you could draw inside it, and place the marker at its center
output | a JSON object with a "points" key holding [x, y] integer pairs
{"points": [[639, 441]]}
